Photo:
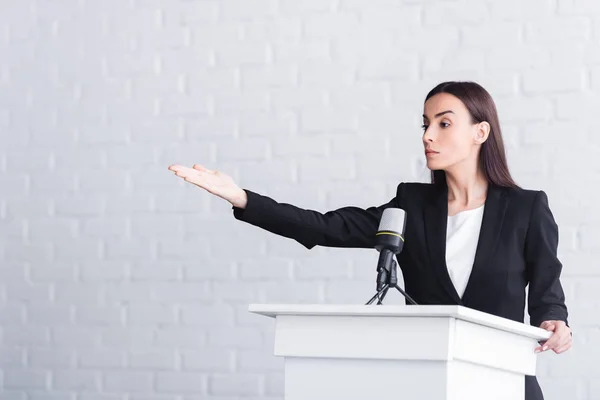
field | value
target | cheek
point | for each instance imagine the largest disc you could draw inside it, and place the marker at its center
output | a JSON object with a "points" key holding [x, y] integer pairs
{"points": [[457, 144], [453, 148]]}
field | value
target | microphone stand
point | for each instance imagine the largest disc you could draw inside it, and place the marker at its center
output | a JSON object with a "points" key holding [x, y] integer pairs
{"points": [[388, 279]]}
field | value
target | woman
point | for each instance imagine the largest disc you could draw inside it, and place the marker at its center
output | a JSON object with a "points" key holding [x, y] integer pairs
{"points": [[472, 236]]}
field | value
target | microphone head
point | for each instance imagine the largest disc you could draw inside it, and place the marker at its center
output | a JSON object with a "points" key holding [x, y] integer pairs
{"points": [[392, 220], [390, 234]]}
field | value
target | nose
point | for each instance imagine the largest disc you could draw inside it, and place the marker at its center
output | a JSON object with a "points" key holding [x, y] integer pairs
{"points": [[427, 136]]}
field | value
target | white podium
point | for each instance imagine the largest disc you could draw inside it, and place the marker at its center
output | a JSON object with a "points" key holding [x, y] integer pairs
{"points": [[416, 352]]}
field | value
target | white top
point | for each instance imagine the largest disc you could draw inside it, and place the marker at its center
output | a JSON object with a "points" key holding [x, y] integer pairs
{"points": [[462, 235]]}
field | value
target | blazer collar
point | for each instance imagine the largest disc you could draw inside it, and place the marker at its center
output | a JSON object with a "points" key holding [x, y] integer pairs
{"points": [[436, 219]]}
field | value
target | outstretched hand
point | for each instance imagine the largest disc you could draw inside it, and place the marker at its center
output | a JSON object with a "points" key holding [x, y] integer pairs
{"points": [[561, 339], [215, 182]]}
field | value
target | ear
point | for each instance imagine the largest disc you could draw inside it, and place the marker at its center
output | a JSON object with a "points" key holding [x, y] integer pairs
{"points": [[482, 132]]}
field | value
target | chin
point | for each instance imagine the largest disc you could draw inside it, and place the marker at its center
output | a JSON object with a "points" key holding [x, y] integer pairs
{"points": [[433, 166]]}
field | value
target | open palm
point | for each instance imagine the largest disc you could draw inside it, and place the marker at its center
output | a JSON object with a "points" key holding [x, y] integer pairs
{"points": [[215, 182]]}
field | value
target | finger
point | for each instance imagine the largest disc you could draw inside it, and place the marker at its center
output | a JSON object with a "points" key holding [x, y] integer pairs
{"points": [[563, 348], [548, 344], [542, 346], [175, 167], [562, 345], [566, 338], [187, 171], [199, 167], [551, 343], [538, 349], [184, 171], [558, 340], [196, 180]]}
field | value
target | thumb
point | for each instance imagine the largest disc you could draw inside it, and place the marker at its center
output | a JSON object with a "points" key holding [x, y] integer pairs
{"points": [[548, 325]]}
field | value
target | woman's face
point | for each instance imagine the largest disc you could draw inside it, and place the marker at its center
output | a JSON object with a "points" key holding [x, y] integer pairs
{"points": [[449, 137]]}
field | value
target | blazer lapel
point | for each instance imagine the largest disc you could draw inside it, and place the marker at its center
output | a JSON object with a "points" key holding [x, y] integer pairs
{"points": [[436, 220], [493, 215]]}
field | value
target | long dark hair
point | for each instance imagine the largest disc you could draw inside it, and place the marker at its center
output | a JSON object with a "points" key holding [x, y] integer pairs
{"points": [[481, 106]]}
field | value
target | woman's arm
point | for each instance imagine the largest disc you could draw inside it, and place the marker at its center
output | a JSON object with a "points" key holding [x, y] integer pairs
{"points": [[546, 299], [345, 227]]}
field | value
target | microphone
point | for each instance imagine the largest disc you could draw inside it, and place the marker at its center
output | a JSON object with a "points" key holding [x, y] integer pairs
{"points": [[389, 241]]}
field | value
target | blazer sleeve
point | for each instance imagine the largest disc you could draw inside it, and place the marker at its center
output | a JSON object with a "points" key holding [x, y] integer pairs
{"points": [[344, 227], [546, 299]]}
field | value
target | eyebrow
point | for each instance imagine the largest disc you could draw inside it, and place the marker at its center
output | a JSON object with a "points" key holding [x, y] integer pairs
{"points": [[440, 114]]}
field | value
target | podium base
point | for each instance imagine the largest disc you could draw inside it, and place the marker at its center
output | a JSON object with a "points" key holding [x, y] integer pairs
{"points": [[327, 379]]}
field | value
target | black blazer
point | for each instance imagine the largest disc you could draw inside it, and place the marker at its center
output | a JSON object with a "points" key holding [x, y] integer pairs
{"points": [[517, 247]]}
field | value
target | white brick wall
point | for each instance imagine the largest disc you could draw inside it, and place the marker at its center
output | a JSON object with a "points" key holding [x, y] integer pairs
{"points": [[119, 281]]}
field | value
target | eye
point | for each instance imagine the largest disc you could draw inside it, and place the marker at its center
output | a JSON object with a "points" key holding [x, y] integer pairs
{"points": [[442, 124]]}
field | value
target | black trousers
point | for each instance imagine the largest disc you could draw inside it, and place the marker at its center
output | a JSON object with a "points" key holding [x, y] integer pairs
{"points": [[532, 389]]}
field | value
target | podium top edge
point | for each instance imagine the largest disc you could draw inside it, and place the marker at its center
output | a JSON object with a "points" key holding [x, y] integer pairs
{"points": [[423, 311]]}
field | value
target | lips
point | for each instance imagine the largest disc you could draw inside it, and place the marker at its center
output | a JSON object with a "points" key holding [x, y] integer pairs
{"points": [[429, 151]]}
